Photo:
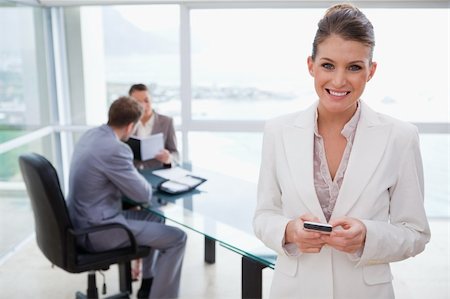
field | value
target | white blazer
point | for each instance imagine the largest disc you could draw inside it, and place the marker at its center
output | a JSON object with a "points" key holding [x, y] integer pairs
{"points": [[383, 187]]}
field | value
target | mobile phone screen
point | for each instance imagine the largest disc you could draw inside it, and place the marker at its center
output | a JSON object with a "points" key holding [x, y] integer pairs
{"points": [[318, 227]]}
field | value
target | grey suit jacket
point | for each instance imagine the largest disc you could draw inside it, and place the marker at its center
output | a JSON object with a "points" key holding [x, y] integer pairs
{"points": [[163, 124], [101, 172]]}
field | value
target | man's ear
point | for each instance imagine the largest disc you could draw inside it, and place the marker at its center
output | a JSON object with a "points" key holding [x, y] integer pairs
{"points": [[310, 63], [130, 128]]}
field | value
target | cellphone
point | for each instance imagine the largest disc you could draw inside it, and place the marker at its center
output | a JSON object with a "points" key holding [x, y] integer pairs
{"points": [[323, 228]]}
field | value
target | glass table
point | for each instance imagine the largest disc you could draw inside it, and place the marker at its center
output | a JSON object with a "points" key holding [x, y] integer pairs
{"points": [[222, 210]]}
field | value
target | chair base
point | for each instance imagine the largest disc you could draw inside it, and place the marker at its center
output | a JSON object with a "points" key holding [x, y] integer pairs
{"points": [[123, 295], [92, 292]]}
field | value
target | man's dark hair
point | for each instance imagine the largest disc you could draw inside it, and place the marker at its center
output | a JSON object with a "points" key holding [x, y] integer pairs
{"points": [[137, 87], [124, 111]]}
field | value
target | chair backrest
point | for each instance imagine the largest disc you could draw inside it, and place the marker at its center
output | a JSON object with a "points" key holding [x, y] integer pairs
{"points": [[51, 216]]}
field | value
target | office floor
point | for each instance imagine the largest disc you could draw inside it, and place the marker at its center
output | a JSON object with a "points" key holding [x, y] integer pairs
{"points": [[16, 220], [25, 273]]}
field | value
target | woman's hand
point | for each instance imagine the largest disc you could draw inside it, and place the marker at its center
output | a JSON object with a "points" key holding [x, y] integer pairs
{"points": [[348, 235], [306, 241]]}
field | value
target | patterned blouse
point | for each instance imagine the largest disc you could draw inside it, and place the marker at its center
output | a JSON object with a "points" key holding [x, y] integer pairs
{"points": [[327, 189], [142, 130]]}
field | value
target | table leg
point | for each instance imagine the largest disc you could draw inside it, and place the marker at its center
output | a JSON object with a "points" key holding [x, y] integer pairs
{"points": [[251, 278], [210, 250]]}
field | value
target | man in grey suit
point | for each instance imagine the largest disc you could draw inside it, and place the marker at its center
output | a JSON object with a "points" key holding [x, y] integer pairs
{"points": [[153, 123], [101, 172]]}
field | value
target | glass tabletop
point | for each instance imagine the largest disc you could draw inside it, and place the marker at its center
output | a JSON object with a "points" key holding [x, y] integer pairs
{"points": [[221, 209]]}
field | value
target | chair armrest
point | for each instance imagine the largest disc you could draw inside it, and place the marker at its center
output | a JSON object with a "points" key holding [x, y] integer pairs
{"points": [[105, 227]]}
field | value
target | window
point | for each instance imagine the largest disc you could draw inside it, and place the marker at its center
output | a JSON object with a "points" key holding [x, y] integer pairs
{"points": [[140, 45], [412, 79], [435, 150], [251, 63], [22, 71], [24, 101], [236, 154]]}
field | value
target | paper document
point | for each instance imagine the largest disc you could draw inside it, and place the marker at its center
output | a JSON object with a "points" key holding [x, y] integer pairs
{"points": [[172, 173], [174, 187], [151, 145]]}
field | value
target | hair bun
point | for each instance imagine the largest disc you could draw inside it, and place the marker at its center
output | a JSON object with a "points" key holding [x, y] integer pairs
{"points": [[340, 7]]}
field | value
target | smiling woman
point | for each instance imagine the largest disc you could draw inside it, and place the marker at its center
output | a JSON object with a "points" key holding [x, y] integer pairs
{"points": [[340, 163]]}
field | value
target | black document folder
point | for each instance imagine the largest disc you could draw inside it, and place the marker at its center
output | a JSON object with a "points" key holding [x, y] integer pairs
{"points": [[176, 186], [182, 182], [146, 148], [135, 145]]}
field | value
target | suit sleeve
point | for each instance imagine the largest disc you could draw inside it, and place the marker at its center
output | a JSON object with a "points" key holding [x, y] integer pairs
{"points": [[408, 231], [269, 223], [122, 173]]}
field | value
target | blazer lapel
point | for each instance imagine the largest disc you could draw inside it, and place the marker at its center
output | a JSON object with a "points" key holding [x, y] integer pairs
{"points": [[156, 125], [298, 141], [368, 148]]}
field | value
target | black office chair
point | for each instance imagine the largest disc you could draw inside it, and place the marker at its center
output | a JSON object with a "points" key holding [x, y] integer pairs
{"points": [[56, 236]]}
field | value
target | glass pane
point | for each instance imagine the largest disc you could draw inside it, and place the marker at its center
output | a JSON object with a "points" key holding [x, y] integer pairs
{"points": [[436, 163], [233, 154], [23, 97], [412, 77], [141, 45], [10, 132], [16, 221], [10, 172], [251, 63]]}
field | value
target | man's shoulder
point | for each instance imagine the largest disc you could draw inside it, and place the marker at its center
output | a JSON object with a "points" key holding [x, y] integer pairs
{"points": [[97, 131], [98, 135], [102, 140]]}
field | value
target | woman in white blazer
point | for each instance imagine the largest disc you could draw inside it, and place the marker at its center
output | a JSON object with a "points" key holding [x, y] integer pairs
{"points": [[340, 162]]}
